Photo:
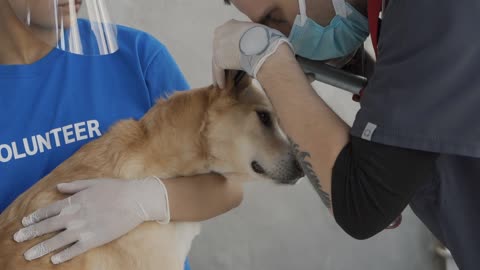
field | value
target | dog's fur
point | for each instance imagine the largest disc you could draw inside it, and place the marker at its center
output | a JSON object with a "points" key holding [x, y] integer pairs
{"points": [[195, 132]]}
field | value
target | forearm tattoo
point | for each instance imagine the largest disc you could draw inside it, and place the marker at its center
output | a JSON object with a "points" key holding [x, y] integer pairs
{"points": [[310, 173]]}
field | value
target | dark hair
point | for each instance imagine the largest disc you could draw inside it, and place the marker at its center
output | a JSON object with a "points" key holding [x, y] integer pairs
{"points": [[227, 2]]}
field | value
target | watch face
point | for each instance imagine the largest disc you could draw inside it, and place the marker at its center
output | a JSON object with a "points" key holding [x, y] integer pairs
{"points": [[254, 41]]}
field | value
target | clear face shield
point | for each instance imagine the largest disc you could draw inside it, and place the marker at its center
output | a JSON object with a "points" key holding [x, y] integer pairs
{"points": [[82, 27]]}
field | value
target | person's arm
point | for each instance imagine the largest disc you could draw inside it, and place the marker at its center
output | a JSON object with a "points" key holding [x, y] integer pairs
{"points": [[372, 183], [365, 184], [202, 197], [95, 206], [316, 132]]}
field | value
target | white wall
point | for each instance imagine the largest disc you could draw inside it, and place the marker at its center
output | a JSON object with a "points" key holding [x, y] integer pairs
{"points": [[276, 228]]}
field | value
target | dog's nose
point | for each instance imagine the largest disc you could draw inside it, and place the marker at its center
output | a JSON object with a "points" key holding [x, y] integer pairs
{"points": [[257, 168]]}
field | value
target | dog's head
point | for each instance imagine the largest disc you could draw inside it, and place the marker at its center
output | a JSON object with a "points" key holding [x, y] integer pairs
{"points": [[245, 137]]}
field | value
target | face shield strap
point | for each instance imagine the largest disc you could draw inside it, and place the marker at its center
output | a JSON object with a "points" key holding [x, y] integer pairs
{"points": [[340, 7], [303, 12]]}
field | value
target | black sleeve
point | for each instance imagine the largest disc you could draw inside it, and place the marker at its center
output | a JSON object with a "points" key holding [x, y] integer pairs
{"points": [[372, 184]]}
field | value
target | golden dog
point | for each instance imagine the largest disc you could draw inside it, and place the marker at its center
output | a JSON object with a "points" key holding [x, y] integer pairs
{"points": [[232, 131]]}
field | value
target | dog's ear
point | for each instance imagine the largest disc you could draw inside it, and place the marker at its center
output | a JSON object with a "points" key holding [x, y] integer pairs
{"points": [[237, 81]]}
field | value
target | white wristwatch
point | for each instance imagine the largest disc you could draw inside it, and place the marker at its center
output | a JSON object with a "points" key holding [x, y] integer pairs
{"points": [[256, 45]]}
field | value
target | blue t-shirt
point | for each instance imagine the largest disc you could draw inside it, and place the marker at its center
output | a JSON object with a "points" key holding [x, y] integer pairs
{"points": [[51, 108]]}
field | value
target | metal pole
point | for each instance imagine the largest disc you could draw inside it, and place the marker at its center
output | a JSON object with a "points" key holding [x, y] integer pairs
{"points": [[333, 76]]}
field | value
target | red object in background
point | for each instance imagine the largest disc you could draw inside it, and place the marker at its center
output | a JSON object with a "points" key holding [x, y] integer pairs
{"points": [[374, 8]]}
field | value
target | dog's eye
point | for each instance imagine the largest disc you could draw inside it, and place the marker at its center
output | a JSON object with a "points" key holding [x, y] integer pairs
{"points": [[265, 118]]}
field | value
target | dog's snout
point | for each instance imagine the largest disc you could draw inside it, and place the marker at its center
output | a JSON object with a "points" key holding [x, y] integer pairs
{"points": [[288, 171], [298, 168], [297, 172]]}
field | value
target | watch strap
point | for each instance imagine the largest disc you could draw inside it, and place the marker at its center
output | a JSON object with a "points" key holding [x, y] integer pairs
{"points": [[252, 63]]}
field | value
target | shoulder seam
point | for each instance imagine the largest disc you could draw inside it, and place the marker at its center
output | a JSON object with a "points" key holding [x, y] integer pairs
{"points": [[156, 54]]}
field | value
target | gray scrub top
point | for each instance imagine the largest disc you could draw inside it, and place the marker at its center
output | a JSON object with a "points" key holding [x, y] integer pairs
{"points": [[425, 91]]}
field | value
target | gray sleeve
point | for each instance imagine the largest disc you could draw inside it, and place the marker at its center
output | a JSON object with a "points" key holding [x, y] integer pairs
{"points": [[425, 90]]}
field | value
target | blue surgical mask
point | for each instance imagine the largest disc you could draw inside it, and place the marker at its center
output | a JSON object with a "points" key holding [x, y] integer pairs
{"points": [[346, 32]]}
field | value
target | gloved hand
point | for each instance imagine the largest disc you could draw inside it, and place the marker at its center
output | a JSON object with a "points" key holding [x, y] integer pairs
{"points": [[227, 54], [99, 212]]}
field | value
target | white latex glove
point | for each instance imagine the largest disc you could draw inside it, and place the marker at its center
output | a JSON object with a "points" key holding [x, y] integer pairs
{"points": [[99, 212], [226, 50]]}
